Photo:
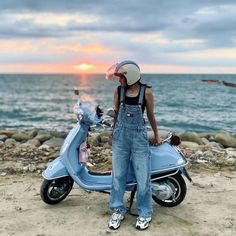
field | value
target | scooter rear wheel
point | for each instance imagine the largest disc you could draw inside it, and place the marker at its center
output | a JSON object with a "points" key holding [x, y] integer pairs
{"points": [[56, 190], [178, 184]]}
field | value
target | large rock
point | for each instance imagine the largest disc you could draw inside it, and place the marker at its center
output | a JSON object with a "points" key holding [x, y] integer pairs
{"points": [[10, 142], [190, 145], [54, 142], [32, 133], [191, 137], [205, 141], [58, 134], [206, 135], [42, 137], [34, 142], [215, 145], [20, 136], [8, 133], [226, 139]]}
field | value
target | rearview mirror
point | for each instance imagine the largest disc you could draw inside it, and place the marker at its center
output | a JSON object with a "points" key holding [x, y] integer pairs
{"points": [[175, 140]]}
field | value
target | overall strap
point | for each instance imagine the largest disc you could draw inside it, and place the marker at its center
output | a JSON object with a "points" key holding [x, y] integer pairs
{"points": [[141, 95], [122, 95]]}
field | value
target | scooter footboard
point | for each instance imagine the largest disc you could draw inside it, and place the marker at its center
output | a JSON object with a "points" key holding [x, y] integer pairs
{"points": [[55, 170]]}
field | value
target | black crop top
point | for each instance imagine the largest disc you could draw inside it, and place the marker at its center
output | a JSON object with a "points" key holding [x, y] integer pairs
{"points": [[132, 100]]}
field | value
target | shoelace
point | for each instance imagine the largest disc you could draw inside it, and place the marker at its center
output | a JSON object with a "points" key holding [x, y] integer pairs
{"points": [[115, 216], [142, 220]]}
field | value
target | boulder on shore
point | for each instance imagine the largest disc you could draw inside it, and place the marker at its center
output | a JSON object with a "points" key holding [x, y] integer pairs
{"points": [[188, 144], [42, 137], [20, 136], [226, 139], [191, 137]]}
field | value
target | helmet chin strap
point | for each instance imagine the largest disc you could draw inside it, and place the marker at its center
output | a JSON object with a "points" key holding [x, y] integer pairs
{"points": [[128, 86]]}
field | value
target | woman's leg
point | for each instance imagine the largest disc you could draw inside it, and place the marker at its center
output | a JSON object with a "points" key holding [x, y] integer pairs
{"points": [[120, 164], [142, 168]]}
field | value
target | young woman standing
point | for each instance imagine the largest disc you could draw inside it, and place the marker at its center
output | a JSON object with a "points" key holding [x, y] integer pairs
{"points": [[130, 143]]}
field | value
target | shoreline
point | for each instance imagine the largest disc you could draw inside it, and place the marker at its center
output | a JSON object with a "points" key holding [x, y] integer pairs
{"points": [[31, 151]]}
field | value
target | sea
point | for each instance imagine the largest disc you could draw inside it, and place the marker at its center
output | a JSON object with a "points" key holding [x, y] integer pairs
{"points": [[182, 102]]}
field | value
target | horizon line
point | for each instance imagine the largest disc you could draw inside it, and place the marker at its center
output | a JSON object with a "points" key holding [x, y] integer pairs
{"points": [[99, 73]]}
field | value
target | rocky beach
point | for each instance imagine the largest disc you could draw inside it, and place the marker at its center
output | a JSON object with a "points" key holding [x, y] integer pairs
{"points": [[208, 210], [31, 151]]}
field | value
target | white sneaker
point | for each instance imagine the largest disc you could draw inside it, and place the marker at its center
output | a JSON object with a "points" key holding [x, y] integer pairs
{"points": [[115, 220], [143, 223]]}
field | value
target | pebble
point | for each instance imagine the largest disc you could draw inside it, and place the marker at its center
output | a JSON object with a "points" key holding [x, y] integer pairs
{"points": [[18, 208]]}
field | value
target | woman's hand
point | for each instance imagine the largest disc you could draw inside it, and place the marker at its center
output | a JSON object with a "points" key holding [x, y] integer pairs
{"points": [[155, 140], [158, 140]]}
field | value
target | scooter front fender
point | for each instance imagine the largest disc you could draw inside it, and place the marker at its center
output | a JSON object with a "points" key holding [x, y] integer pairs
{"points": [[185, 173], [55, 170]]}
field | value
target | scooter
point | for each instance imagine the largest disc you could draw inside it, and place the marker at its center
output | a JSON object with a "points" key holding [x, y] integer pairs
{"points": [[167, 166]]}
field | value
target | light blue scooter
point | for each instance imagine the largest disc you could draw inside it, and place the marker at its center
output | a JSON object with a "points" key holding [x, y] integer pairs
{"points": [[167, 166]]}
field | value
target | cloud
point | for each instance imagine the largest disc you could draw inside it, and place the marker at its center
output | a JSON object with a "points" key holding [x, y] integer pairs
{"points": [[149, 31], [205, 20]]}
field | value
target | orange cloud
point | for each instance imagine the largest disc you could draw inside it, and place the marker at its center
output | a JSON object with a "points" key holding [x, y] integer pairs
{"points": [[78, 48]]}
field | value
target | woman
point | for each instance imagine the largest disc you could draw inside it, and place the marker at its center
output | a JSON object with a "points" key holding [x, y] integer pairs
{"points": [[130, 143]]}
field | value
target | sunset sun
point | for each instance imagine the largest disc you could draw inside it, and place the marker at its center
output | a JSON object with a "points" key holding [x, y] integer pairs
{"points": [[84, 67]]}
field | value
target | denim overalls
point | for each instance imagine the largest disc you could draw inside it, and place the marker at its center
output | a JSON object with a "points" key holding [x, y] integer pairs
{"points": [[130, 144]]}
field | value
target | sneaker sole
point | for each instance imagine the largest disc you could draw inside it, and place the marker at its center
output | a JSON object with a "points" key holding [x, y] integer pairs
{"points": [[139, 228]]}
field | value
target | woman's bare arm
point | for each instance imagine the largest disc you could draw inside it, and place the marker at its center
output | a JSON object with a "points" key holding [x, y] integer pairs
{"points": [[150, 114]]}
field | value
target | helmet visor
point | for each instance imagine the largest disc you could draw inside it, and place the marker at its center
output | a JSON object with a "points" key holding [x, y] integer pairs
{"points": [[111, 73]]}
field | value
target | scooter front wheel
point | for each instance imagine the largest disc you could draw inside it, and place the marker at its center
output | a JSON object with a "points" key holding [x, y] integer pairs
{"points": [[56, 190], [178, 188]]}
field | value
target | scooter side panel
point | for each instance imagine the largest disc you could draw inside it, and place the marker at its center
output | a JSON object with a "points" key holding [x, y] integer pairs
{"points": [[165, 157], [55, 170]]}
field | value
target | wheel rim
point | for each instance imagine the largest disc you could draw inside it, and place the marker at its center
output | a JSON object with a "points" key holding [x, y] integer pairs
{"points": [[58, 189], [176, 188]]}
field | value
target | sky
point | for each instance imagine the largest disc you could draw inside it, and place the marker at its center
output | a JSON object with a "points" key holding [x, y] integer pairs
{"points": [[78, 36]]}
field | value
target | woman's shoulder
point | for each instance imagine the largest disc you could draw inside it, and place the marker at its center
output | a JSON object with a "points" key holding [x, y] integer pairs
{"points": [[148, 92]]}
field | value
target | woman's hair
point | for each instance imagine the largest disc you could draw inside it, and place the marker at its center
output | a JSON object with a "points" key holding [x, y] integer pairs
{"points": [[148, 86], [138, 82]]}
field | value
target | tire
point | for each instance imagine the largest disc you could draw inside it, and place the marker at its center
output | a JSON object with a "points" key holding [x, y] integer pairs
{"points": [[56, 190], [177, 182]]}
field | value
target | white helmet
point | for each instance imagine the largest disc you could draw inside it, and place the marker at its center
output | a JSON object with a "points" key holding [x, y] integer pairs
{"points": [[129, 69]]}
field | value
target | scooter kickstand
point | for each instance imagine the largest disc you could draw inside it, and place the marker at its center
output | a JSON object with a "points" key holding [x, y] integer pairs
{"points": [[131, 200]]}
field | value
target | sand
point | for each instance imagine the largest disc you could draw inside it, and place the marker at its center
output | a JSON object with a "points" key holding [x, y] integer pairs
{"points": [[208, 209]]}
